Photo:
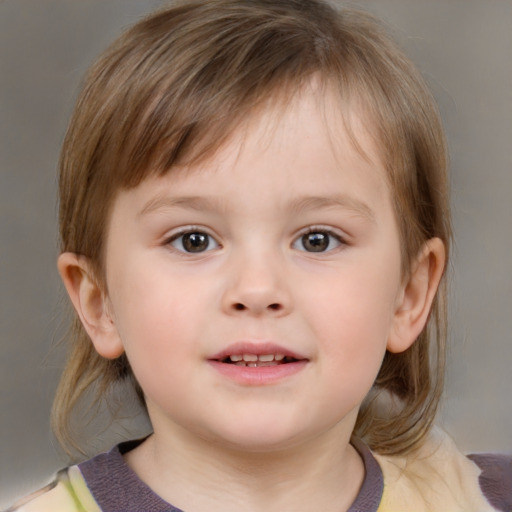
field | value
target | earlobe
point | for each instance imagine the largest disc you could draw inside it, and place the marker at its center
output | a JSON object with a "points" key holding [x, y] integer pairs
{"points": [[418, 295], [90, 304]]}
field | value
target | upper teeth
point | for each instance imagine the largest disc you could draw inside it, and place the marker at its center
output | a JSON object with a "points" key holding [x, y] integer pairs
{"points": [[253, 357]]}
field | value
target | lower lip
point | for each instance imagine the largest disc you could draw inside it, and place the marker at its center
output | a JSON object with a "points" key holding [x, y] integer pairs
{"points": [[258, 375]]}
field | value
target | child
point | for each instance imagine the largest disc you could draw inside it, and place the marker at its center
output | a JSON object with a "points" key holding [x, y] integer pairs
{"points": [[255, 227]]}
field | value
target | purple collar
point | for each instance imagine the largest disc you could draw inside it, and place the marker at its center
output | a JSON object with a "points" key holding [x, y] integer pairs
{"points": [[116, 487]]}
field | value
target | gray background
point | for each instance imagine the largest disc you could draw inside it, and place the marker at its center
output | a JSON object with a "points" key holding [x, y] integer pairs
{"points": [[463, 47]]}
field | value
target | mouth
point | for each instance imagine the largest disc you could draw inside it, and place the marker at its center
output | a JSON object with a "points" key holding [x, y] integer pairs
{"points": [[257, 363], [258, 360], [257, 355]]}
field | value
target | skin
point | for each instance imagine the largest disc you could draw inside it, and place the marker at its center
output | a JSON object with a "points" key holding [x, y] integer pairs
{"points": [[280, 445]]}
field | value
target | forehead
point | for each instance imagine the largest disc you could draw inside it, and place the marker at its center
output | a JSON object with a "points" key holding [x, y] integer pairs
{"points": [[308, 145], [316, 114]]}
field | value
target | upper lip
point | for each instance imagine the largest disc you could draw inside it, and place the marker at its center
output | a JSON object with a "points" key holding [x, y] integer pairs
{"points": [[256, 348]]}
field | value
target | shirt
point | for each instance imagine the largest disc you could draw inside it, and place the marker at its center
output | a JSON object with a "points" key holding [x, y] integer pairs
{"points": [[436, 478]]}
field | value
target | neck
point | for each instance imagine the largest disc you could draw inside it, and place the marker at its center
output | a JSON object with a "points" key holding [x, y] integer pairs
{"points": [[195, 474]]}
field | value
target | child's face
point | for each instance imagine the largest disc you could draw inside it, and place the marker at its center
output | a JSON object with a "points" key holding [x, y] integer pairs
{"points": [[283, 243]]}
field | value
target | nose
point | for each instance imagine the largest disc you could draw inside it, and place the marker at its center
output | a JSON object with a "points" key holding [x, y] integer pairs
{"points": [[257, 286]]}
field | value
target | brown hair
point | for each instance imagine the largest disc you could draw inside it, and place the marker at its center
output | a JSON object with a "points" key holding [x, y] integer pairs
{"points": [[171, 90]]}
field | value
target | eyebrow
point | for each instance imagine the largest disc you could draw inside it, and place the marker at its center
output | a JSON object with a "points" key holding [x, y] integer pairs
{"points": [[334, 201], [200, 203]]}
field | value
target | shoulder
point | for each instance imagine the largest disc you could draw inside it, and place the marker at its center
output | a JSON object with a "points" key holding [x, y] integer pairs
{"points": [[439, 477], [68, 492], [495, 478]]}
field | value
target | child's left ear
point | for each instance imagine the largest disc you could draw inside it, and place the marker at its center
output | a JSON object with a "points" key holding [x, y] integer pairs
{"points": [[417, 295]]}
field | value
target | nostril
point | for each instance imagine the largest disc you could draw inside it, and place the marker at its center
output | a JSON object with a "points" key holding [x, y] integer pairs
{"points": [[238, 306]]}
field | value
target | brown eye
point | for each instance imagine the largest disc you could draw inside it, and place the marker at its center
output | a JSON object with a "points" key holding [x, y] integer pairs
{"points": [[318, 241], [193, 242], [315, 242]]}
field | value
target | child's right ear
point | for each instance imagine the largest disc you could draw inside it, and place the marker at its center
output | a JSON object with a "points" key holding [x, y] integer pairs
{"points": [[90, 303]]}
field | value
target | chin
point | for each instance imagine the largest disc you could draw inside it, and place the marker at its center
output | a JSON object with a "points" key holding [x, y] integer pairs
{"points": [[258, 438]]}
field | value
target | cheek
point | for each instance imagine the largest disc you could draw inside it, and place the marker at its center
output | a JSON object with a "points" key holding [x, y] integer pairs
{"points": [[147, 295], [160, 347], [357, 304], [152, 314], [353, 322]]}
